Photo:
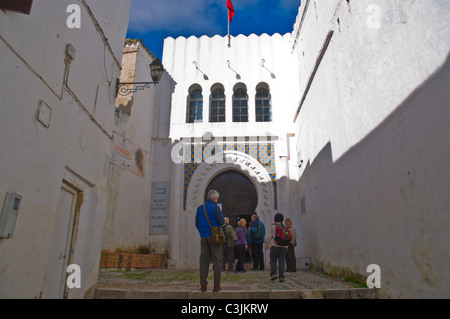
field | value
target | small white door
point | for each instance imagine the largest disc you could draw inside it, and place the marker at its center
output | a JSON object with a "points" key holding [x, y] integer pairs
{"points": [[55, 275]]}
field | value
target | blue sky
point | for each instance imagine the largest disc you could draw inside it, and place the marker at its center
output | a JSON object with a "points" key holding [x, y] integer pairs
{"points": [[154, 20]]}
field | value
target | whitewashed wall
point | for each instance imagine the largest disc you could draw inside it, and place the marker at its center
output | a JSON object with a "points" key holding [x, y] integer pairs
{"points": [[143, 122], [245, 56], [373, 134], [75, 146]]}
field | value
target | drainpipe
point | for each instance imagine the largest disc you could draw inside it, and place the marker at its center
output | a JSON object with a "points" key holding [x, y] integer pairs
{"points": [[175, 212], [284, 177]]}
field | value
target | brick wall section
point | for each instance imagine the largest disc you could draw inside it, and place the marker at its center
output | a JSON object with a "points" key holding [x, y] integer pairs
{"points": [[124, 260]]}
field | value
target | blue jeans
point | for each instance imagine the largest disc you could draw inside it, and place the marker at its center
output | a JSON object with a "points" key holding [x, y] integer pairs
{"points": [[277, 256]]}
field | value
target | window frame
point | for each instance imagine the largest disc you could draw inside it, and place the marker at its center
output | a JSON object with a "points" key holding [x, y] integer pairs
{"points": [[263, 104], [217, 105], [194, 109], [239, 105]]}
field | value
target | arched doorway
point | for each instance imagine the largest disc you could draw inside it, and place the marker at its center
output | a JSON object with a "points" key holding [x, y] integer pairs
{"points": [[183, 248], [238, 195]]}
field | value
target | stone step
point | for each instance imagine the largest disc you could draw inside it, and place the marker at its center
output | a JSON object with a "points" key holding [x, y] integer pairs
{"points": [[352, 293]]}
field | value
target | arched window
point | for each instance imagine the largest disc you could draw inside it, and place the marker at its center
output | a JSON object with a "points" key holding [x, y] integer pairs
{"points": [[240, 103], [195, 105], [217, 104], [263, 104]]}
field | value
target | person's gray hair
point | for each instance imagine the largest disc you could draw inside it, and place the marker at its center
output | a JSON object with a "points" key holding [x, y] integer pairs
{"points": [[212, 194]]}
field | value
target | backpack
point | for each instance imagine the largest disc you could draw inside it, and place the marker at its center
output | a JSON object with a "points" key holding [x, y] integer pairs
{"points": [[282, 235], [230, 230], [234, 236], [258, 233]]}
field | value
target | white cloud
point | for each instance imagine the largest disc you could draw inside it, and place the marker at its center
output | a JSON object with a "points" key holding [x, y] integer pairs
{"points": [[195, 16], [284, 5]]}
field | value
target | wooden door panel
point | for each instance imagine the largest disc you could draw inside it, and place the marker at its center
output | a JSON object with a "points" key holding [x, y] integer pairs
{"points": [[238, 195]]}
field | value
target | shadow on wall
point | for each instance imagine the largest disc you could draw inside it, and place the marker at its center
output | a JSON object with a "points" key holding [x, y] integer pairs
{"points": [[386, 200]]}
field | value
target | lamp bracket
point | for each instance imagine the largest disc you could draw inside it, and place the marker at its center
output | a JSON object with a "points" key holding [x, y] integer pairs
{"points": [[127, 88]]}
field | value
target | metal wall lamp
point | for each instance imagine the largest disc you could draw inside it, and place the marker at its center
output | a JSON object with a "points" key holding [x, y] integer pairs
{"points": [[125, 88]]}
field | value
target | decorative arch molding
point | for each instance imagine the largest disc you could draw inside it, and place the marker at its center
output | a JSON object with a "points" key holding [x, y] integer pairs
{"points": [[243, 163]]}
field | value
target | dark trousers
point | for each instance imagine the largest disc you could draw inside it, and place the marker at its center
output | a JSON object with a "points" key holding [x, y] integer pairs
{"points": [[240, 252], [227, 257], [277, 256], [257, 255], [209, 252], [291, 263]]}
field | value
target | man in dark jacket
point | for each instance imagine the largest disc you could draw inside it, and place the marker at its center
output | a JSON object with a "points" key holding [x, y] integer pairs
{"points": [[207, 251], [257, 234], [227, 250]]}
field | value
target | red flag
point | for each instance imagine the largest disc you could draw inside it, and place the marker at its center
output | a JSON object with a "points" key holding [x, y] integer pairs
{"points": [[230, 10]]}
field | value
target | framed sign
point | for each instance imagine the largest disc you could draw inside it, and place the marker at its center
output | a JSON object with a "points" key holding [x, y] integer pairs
{"points": [[159, 216]]}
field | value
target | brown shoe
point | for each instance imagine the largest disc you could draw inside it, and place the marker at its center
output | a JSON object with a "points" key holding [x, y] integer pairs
{"points": [[217, 288], [203, 288]]}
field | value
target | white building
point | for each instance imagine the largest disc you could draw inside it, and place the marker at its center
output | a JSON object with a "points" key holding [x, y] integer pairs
{"points": [[232, 103], [57, 98]]}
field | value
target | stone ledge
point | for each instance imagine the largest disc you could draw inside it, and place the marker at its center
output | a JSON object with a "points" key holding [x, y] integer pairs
{"points": [[353, 293]]}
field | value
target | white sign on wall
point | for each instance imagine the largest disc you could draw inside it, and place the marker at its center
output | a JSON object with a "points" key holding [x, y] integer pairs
{"points": [[159, 216]]}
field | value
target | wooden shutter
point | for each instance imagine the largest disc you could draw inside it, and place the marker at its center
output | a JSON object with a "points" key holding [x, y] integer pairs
{"points": [[22, 6]]}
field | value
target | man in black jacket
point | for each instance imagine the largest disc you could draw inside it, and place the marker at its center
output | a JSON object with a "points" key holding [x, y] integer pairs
{"points": [[257, 234]]}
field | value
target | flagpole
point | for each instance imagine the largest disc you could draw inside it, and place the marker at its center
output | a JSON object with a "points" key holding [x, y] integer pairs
{"points": [[230, 17], [229, 37]]}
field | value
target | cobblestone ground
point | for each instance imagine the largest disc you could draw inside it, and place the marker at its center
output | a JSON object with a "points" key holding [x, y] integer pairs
{"points": [[164, 279]]}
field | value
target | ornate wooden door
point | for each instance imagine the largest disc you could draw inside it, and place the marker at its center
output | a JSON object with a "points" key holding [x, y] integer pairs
{"points": [[238, 195]]}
